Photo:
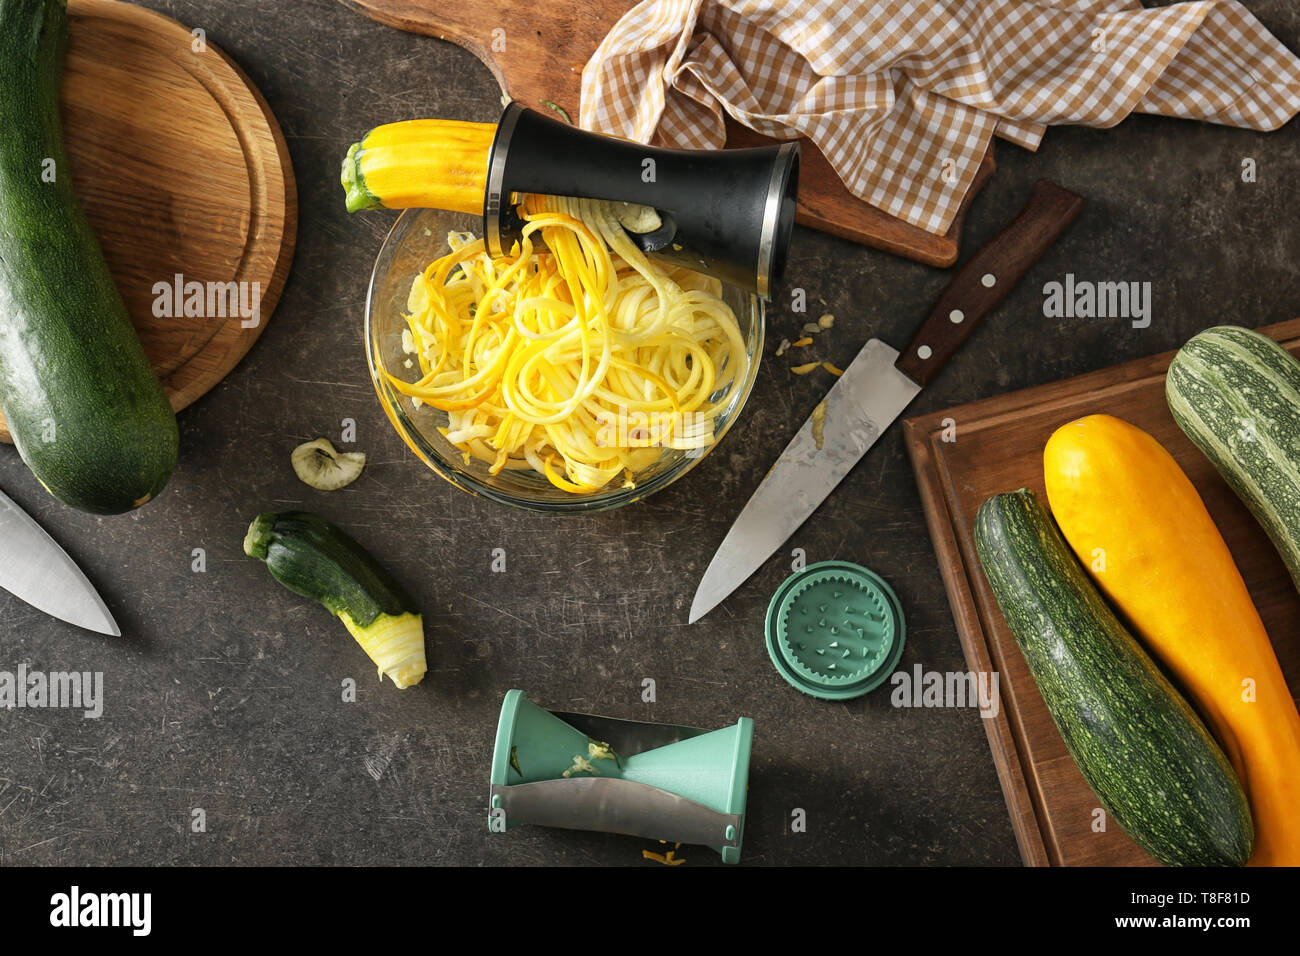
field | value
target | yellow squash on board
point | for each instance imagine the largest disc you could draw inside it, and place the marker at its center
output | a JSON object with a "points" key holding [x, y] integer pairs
{"points": [[1137, 523]]}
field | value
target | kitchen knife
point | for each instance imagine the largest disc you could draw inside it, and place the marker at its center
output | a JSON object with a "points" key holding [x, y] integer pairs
{"points": [[874, 390], [33, 567]]}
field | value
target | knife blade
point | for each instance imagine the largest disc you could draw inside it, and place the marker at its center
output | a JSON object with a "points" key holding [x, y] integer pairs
{"points": [[874, 390], [34, 568]]}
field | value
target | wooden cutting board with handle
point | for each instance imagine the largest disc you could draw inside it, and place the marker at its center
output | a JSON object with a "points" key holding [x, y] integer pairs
{"points": [[537, 52], [182, 169], [998, 447]]}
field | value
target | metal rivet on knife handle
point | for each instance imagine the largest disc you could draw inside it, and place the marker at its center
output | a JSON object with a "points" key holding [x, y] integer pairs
{"points": [[987, 277]]}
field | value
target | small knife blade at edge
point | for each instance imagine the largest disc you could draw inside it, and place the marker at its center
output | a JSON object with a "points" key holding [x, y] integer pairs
{"points": [[36, 570], [874, 390]]}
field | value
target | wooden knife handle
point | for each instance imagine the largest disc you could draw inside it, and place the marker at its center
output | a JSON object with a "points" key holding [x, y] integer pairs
{"points": [[984, 281]]}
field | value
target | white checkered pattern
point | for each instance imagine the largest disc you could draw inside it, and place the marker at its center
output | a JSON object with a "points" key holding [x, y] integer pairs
{"points": [[903, 97]]}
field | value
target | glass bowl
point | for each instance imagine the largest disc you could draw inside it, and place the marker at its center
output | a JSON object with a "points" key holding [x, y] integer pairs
{"points": [[417, 238]]}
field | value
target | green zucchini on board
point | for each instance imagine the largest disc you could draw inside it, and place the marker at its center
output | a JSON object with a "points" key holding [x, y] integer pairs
{"points": [[1236, 395], [1142, 749], [83, 405], [314, 558]]}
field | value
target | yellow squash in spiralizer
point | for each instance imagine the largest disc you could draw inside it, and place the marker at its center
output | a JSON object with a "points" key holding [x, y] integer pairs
{"points": [[424, 163]]}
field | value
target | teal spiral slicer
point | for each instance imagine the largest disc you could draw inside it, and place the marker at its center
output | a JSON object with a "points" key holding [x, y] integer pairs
{"points": [[651, 780]]}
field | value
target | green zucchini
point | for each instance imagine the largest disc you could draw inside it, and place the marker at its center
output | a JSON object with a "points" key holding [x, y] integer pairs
{"points": [[314, 558], [1236, 395], [82, 403], [1142, 749]]}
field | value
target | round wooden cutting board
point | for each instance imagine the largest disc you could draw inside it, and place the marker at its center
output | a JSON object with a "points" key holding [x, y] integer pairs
{"points": [[181, 169]]}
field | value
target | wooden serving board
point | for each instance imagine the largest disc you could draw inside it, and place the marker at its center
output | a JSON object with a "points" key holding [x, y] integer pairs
{"points": [[181, 168], [998, 447], [547, 45]]}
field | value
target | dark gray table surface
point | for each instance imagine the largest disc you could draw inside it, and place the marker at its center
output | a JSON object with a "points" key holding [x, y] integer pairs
{"points": [[225, 691]]}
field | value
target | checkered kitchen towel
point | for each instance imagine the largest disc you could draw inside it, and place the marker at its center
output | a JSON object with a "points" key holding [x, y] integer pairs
{"points": [[903, 97]]}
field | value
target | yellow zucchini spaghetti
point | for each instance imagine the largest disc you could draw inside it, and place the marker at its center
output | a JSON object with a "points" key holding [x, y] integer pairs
{"points": [[579, 358]]}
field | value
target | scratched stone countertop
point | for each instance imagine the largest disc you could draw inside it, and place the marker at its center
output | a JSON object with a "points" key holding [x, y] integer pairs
{"points": [[224, 692]]}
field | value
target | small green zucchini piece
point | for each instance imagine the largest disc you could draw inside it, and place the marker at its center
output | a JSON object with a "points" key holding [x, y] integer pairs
{"points": [[314, 558], [1140, 746]]}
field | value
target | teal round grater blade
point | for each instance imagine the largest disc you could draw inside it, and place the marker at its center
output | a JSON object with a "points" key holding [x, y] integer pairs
{"points": [[835, 630]]}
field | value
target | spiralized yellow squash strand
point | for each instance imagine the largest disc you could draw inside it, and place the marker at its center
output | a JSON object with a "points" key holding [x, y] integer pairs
{"points": [[579, 358]]}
